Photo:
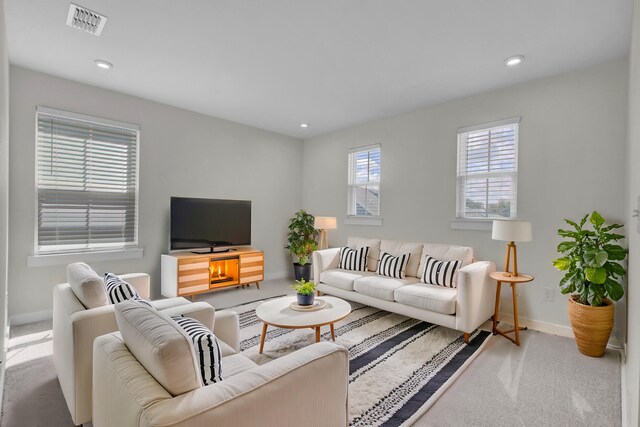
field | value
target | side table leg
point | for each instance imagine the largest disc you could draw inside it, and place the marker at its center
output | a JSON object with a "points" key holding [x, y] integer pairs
{"points": [[317, 333], [495, 312], [333, 333], [515, 314], [264, 334]]}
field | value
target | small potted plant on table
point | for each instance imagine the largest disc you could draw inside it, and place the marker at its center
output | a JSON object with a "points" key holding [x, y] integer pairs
{"points": [[305, 292], [590, 259]]}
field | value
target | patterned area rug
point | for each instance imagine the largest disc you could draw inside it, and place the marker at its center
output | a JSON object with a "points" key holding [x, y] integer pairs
{"points": [[398, 366]]}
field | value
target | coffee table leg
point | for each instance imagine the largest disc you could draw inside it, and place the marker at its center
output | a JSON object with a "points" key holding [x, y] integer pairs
{"points": [[264, 334], [317, 333], [333, 333]]}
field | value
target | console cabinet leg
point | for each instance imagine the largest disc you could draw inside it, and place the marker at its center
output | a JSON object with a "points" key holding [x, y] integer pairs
{"points": [[466, 338]]}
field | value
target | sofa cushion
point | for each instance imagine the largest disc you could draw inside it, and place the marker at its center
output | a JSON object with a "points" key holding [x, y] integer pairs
{"points": [[160, 345], [165, 303], [374, 250], [392, 266], [118, 290], [342, 279], [428, 297], [86, 285], [353, 259], [445, 253], [206, 347], [441, 273], [381, 287], [397, 248], [236, 364]]}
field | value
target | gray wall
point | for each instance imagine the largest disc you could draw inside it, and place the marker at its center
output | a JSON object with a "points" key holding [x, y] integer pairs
{"points": [[4, 181], [571, 161], [181, 153], [631, 366]]}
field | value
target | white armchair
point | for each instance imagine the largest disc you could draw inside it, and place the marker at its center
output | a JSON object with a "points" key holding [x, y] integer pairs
{"points": [[280, 393], [75, 327]]}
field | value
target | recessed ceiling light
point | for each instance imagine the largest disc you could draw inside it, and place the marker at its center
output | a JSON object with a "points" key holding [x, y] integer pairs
{"points": [[101, 63], [304, 125], [514, 61]]}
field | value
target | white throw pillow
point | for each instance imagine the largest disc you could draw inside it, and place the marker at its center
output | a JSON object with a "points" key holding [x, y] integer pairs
{"points": [[86, 285], [160, 345]]}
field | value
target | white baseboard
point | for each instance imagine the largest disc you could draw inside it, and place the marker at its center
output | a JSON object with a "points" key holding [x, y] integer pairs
{"points": [[36, 316], [553, 329]]}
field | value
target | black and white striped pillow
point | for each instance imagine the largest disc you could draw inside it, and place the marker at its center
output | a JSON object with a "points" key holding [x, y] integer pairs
{"points": [[392, 266], [118, 290], [354, 259], [441, 273], [206, 347]]}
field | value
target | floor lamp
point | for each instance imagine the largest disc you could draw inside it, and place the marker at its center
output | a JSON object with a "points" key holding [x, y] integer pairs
{"points": [[324, 223], [511, 231]]}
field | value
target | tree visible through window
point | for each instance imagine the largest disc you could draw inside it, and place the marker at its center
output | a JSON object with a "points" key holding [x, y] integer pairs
{"points": [[488, 170], [364, 182]]}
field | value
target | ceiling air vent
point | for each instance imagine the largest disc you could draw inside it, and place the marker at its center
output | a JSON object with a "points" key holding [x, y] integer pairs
{"points": [[86, 20]]}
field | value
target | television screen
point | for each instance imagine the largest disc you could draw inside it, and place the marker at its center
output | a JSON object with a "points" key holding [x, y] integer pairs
{"points": [[202, 223]]}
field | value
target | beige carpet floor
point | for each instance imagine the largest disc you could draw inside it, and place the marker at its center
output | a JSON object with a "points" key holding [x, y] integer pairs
{"points": [[545, 382]]}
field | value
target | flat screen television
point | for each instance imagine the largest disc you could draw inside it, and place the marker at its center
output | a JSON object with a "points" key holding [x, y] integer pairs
{"points": [[209, 223]]}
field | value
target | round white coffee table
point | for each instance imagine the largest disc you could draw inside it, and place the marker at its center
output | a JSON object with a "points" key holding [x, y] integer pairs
{"points": [[277, 313]]}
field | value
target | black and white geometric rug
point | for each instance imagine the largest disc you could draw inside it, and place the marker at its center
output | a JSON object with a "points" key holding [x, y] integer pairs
{"points": [[398, 366]]}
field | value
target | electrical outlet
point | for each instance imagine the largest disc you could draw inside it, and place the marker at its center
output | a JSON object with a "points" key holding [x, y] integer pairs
{"points": [[548, 294]]}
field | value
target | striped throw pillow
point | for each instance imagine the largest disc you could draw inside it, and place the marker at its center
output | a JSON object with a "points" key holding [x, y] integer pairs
{"points": [[354, 259], [392, 266], [441, 273], [118, 290], [206, 347]]}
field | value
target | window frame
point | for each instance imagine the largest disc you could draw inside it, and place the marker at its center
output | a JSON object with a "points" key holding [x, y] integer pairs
{"points": [[124, 250], [465, 222], [352, 217]]}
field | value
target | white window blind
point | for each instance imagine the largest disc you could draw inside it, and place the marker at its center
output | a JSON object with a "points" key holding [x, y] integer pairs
{"points": [[364, 182], [488, 170], [87, 183]]}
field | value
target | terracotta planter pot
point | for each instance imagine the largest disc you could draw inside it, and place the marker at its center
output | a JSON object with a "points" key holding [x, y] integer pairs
{"points": [[591, 326]]}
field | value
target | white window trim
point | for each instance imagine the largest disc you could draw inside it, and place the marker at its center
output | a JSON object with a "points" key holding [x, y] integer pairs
{"points": [[63, 259], [131, 250], [461, 223], [364, 219]]}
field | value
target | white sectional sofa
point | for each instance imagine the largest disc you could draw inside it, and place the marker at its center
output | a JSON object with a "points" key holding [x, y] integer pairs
{"points": [[463, 308]]}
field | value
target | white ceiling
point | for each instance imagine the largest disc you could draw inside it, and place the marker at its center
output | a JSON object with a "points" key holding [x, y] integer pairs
{"points": [[332, 63]]}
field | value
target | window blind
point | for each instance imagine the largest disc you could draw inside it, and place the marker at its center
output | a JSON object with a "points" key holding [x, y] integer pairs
{"points": [[364, 181], [87, 179], [488, 170]]}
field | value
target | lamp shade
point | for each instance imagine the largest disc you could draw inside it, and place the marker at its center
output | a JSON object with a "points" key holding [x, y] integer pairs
{"points": [[325, 223], [511, 231]]}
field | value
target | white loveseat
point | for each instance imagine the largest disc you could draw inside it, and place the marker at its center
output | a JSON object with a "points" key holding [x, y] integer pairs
{"points": [[143, 376], [76, 326], [463, 308]]}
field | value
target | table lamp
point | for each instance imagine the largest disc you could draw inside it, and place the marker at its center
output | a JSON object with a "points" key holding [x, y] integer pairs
{"points": [[324, 223], [511, 231]]}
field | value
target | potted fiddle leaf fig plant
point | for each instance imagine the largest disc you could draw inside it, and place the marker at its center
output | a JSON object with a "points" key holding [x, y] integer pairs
{"points": [[302, 242], [590, 260], [305, 292]]}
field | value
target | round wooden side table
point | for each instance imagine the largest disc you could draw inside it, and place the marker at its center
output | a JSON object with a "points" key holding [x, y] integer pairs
{"points": [[505, 277]]}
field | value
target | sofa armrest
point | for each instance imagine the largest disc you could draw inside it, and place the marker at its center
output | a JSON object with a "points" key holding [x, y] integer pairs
{"points": [[201, 311], [227, 328], [140, 281], [324, 260], [274, 394], [476, 295]]}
